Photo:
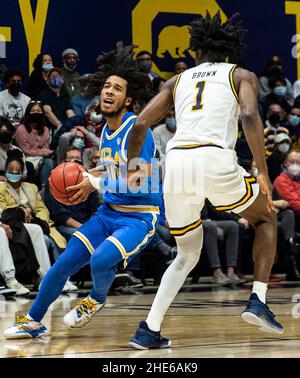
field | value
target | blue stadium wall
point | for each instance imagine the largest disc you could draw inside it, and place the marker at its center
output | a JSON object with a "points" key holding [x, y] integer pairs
{"points": [[91, 26]]}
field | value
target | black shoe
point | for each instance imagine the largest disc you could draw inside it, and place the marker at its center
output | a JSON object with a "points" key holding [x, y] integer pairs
{"points": [[4, 290], [134, 282], [121, 280], [292, 270]]}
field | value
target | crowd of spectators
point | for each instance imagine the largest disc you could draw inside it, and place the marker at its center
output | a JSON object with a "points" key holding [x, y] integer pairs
{"points": [[55, 120]]}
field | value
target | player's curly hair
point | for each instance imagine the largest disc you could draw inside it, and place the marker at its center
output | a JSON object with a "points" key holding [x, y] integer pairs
{"points": [[216, 39], [120, 62]]}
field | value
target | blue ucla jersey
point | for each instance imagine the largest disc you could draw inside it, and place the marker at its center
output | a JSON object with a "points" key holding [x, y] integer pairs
{"points": [[113, 148]]}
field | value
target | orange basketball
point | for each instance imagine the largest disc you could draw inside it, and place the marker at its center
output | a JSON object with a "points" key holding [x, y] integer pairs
{"points": [[63, 176]]}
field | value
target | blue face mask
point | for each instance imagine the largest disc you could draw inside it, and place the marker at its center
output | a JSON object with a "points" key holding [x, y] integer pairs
{"points": [[280, 91], [145, 65], [56, 82], [79, 143], [171, 123], [294, 120], [47, 67], [13, 177]]}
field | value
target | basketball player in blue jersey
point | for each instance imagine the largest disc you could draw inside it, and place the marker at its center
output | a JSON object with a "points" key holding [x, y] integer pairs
{"points": [[123, 225], [208, 100]]}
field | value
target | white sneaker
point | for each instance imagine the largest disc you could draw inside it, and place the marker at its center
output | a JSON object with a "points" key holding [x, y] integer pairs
{"points": [[82, 313], [12, 283], [24, 328], [69, 286]]}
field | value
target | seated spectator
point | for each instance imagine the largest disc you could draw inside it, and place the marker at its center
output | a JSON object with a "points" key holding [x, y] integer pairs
{"points": [[163, 133], [293, 123], [42, 64], [229, 224], [77, 137], [17, 193], [287, 184], [57, 107], [95, 121], [242, 148], [180, 67], [13, 102], [84, 99], [69, 218], [33, 138], [70, 60], [296, 88], [7, 132], [274, 69], [157, 84], [93, 157], [273, 126], [282, 145], [278, 94], [144, 60]]}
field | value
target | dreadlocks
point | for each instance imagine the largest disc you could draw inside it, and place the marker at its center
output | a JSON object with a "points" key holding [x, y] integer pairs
{"points": [[216, 39], [120, 62]]}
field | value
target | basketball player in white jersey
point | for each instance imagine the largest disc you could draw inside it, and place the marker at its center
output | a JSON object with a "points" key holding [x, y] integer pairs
{"points": [[208, 100]]}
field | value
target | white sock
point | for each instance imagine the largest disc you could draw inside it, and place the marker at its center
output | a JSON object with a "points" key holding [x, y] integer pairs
{"points": [[189, 249], [260, 289], [29, 317]]}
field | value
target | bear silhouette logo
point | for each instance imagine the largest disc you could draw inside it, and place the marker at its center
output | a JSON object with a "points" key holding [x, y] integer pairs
{"points": [[175, 40]]}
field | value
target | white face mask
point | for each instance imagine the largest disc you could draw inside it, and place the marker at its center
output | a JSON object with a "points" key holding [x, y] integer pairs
{"points": [[95, 118], [294, 169], [284, 147]]}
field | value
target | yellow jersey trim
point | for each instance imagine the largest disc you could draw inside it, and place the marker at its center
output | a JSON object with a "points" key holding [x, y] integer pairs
{"points": [[110, 137], [122, 249], [180, 231], [84, 240], [191, 146], [249, 193], [232, 82], [176, 85], [136, 209]]}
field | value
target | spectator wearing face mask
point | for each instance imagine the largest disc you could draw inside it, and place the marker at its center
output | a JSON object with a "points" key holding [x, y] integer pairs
{"points": [[163, 133], [278, 94], [293, 122], [144, 60], [42, 64], [69, 218], [93, 157], [84, 99], [13, 102], [78, 138], [7, 132], [71, 85], [282, 145], [33, 138], [274, 69], [57, 107], [287, 184], [273, 126]]}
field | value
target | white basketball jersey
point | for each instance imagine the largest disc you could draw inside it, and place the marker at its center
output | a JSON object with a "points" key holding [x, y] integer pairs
{"points": [[206, 107]]}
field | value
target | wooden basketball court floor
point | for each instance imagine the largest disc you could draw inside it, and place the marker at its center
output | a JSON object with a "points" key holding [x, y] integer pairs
{"points": [[204, 321]]}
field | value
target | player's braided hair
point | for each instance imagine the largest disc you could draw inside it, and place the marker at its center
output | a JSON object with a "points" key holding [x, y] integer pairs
{"points": [[216, 39], [120, 62]]}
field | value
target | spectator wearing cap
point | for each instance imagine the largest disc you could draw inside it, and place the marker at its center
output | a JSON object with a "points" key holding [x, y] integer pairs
{"points": [[57, 107], [13, 102], [274, 70], [70, 60], [42, 64], [273, 126], [282, 145], [144, 60]]}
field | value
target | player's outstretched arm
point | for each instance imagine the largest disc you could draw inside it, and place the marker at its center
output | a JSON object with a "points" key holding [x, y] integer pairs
{"points": [[156, 110], [248, 86]]}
